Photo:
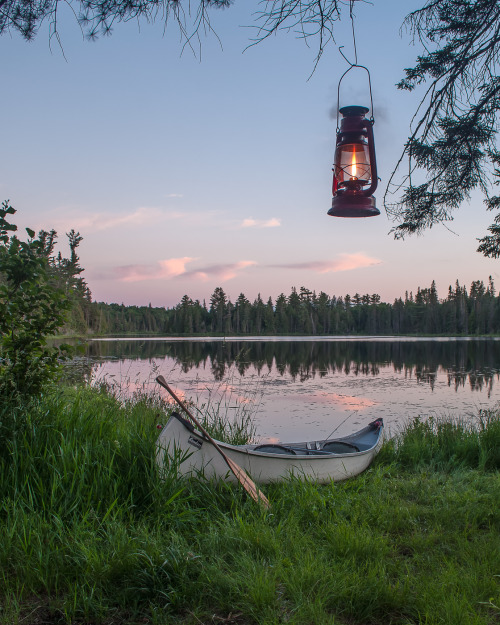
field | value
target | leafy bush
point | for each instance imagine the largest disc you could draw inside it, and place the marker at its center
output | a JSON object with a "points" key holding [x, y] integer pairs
{"points": [[32, 306]]}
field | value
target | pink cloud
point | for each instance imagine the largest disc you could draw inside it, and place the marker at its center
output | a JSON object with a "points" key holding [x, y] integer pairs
{"points": [[163, 269], [170, 400], [344, 262], [347, 401], [140, 217], [222, 272], [354, 403], [271, 439], [233, 391], [261, 223], [174, 267]]}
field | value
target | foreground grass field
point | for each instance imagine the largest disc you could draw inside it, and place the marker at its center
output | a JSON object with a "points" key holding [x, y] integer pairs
{"points": [[90, 535]]}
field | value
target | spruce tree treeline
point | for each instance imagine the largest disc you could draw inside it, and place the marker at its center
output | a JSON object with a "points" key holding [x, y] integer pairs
{"points": [[464, 311]]}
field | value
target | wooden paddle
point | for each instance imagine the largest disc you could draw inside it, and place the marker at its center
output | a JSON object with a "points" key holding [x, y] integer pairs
{"points": [[244, 479]]}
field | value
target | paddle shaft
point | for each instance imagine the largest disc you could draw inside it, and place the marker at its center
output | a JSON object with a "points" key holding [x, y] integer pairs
{"points": [[247, 483]]}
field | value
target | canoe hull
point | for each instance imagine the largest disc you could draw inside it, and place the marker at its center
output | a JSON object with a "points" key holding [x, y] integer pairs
{"points": [[198, 456]]}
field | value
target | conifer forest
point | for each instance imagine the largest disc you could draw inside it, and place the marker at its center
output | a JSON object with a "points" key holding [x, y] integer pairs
{"points": [[463, 311]]}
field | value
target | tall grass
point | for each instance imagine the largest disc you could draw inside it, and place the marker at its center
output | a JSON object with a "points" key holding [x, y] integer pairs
{"points": [[81, 506], [227, 409], [89, 534], [449, 443]]}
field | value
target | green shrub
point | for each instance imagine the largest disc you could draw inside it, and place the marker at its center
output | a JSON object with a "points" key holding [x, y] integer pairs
{"points": [[32, 307]]}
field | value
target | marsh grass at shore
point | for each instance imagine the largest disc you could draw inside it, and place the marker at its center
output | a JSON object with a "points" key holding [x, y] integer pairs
{"points": [[89, 534]]}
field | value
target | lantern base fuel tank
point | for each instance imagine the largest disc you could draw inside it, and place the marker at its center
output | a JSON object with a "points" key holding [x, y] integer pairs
{"points": [[351, 205]]}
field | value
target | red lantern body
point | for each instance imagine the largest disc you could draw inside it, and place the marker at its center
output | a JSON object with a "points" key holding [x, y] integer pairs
{"points": [[355, 169]]}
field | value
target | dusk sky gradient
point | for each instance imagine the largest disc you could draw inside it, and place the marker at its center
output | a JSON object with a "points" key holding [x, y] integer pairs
{"points": [[184, 173]]}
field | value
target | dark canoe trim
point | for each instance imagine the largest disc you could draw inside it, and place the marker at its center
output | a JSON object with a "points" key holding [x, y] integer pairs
{"points": [[340, 447], [184, 422], [271, 448], [187, 424]]}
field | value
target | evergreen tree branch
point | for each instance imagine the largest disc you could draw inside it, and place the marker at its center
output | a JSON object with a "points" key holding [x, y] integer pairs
{"points": [[449, 152]]}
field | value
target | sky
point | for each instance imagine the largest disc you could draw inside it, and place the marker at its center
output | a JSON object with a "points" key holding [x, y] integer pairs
{"points": [[186, 170]]}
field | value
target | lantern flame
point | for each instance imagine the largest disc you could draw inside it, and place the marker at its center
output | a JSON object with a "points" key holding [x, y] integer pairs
{"points": [[353, 166]]}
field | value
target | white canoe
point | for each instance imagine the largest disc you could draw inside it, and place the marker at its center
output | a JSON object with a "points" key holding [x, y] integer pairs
{"points": [[321, 461]]}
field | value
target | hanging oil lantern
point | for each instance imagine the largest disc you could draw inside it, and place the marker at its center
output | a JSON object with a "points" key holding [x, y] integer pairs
{"points": [[355, 168]]}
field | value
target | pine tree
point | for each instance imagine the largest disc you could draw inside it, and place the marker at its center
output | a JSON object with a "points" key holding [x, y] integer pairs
{"points": [[218, 303]]}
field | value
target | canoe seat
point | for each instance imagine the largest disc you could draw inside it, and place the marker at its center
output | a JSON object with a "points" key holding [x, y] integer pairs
{"points": [[269, 448], [339, 447]]}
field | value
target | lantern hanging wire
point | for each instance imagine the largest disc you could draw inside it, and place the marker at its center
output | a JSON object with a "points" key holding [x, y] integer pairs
{"points": [[352, 66]]}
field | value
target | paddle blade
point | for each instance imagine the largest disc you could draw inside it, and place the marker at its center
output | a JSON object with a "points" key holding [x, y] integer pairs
{"points": [[247, 483]]}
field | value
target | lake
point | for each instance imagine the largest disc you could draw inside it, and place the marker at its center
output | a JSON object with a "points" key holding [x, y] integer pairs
{"points": [[309, 387]]}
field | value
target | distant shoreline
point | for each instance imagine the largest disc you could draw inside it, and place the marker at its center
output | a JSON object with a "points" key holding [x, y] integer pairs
{"points": [[274, 337]]}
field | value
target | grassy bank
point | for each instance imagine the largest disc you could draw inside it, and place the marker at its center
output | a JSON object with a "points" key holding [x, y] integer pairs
{"points": [[88, 534]]}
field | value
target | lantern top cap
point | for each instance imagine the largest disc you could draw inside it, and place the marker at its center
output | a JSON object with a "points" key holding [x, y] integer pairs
{"points": [[354, 111]]}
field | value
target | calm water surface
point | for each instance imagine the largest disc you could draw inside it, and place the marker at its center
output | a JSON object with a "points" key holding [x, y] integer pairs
{"points": [[301, 388]]}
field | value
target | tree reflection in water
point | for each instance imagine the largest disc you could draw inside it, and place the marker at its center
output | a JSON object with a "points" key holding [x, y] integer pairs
{"points": [[305, 386], [475, 361]]}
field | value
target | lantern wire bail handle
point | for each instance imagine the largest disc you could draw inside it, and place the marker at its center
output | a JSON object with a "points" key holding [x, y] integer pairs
{"points": [[352, 66]]}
